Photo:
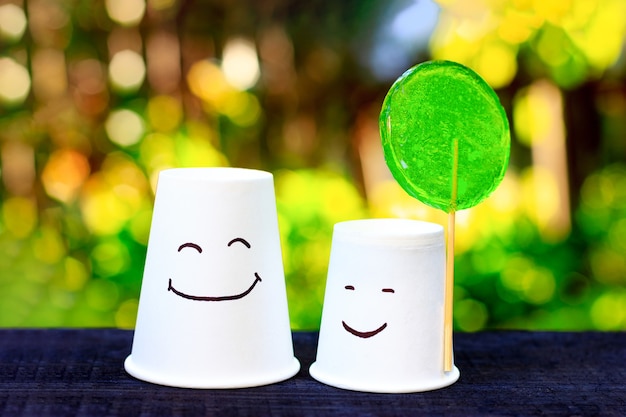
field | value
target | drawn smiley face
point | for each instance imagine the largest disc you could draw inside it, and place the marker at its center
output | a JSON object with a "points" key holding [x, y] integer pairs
{"points": [[197, 248], [369, 333]]}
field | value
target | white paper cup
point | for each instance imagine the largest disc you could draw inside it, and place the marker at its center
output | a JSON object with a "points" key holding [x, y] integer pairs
{"points": [[213, 304], [382, 324]]}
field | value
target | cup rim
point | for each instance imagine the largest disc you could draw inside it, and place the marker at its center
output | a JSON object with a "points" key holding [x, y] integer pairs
{"points": [[214, 174], [389, 231]]}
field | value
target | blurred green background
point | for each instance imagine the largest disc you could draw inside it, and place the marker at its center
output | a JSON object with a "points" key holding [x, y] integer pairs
{"points": [[96, 97]]}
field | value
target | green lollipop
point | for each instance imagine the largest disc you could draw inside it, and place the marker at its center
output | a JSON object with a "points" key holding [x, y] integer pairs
{"points": [[431, 110], [446, 141]]}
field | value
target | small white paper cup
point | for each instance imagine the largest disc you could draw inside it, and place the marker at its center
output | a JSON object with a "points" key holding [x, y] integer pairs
{"points": [[382, 326], [213, 304]]}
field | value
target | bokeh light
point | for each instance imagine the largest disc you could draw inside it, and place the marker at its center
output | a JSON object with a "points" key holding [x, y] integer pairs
{"points": [[48, 245], [211, 84], [608, 311], [124, 127], [207, 81], [19, 215], [113, 196], [64, 174], [240, 63], [14, 82], [165, 113], [126, 12], [12, 22], [472, 315], [127, 71]]}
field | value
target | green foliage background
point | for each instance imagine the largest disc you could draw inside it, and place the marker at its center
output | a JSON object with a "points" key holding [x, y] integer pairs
{"points": [[76, 201]]}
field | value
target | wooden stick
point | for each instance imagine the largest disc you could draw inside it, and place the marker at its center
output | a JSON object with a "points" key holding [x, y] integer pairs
{"points": [[449, 295], [449, 284]]}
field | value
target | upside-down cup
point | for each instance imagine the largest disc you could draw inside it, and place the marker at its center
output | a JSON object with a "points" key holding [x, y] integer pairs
{"points": [[382, 327], [213, 304]]}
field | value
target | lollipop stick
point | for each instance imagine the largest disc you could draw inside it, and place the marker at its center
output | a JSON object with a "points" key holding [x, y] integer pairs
{"points": [[449, 293], [449, 284]]}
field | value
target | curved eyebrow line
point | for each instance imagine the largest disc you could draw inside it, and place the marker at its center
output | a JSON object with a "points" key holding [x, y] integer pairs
{"points": [[241, 240], [190, 245], [349, 287], [388, 290]]}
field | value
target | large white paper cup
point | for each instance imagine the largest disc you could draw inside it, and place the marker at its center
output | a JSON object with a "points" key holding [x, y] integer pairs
{"points": [[382, 326], [213, 304]]}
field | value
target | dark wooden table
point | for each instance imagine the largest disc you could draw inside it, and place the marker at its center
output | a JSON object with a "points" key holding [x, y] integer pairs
{"points": [[79, 372]]}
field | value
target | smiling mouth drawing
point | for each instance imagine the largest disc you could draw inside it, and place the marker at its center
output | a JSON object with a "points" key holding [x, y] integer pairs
{"points": [[210, 298], [364, 335]]}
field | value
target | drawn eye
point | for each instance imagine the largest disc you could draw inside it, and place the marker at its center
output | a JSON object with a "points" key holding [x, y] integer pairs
{"points": [[240, 240], [349, 287], [190, 245], [391, 290]]}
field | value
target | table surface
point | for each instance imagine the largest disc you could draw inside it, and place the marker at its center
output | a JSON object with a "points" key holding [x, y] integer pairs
{"points": [[79, 372]]}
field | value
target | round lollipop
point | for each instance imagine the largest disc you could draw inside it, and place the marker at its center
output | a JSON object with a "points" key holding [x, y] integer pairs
{"points": [[446, 141]]}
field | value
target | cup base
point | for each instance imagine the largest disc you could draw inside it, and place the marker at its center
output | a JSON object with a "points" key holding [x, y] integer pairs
{"points": [[352, 384], [206, 382]]}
